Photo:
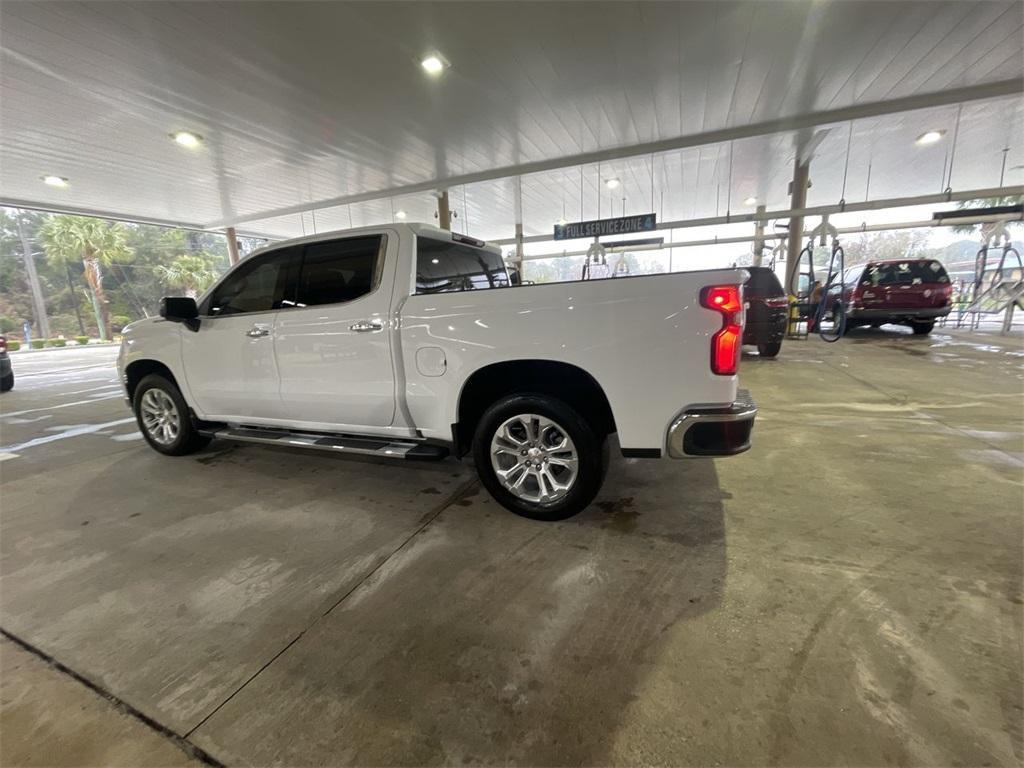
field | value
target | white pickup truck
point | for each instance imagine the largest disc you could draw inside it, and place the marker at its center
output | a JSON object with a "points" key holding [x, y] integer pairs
{"points": [[409, 341]]}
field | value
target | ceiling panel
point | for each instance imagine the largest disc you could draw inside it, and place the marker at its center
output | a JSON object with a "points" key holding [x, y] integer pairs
{"points": [[307, 102]]}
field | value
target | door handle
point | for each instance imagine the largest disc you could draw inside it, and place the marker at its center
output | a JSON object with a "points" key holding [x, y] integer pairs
{"points": [[258, 331], [366, 325]]}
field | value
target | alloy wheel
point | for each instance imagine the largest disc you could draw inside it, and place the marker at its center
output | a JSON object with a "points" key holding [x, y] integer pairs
{"points": [[534, 458], [160, 417]]}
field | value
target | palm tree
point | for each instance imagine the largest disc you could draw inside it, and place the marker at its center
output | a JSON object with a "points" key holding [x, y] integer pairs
{"points": [[191, 272], [97, 243]]}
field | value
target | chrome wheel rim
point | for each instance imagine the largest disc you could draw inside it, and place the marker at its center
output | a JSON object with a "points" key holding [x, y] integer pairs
{"points": [[534, 458], [159, 416]]}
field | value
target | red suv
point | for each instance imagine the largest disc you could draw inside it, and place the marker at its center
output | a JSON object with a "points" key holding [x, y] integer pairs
{"points": [[912, 292]]}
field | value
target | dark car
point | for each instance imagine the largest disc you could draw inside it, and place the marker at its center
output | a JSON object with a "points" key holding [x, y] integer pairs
{"points": [[767, 311], [914, 292], [6, 372]]}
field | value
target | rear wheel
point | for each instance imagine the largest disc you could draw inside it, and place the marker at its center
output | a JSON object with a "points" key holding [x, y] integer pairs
{"points": [[769, 349], [7, 382], [922, 328], [164, 419], [538, 457]]}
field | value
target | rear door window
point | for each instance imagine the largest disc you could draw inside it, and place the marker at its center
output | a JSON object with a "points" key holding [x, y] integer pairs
{"points": [[912, 272], [443, 267], [341, 270]]}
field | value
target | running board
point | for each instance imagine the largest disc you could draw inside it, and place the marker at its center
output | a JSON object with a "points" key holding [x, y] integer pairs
{"points": [[363, 446]]}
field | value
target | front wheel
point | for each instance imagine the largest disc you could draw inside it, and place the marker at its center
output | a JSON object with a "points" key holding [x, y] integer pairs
{"points": [[770, 349], [922, 328], [164, 419], [538, 457]]}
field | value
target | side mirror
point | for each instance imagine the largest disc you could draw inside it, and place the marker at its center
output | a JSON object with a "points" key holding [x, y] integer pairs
{"points": [[180, 309]]}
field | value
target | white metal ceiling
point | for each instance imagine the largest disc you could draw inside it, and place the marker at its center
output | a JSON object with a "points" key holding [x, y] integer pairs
{"points": [[306, 102]]}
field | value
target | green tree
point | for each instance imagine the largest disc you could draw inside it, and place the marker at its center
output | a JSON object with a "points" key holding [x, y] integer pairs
{"points": [[96, 244], [193, 273], [870, 246]]}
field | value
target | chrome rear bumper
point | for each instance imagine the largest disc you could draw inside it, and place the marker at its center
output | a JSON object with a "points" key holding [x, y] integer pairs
{"points": [[713, 430]]}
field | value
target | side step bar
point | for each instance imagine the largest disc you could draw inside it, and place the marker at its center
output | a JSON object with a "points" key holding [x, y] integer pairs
{"points": [[363, 446]]}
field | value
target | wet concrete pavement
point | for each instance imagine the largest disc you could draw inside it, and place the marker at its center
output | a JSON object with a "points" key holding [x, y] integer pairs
{"points": [[848, 592]]}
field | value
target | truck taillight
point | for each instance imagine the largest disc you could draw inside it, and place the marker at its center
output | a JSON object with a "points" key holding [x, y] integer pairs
{"points": [[725, 344], [3, 344]]}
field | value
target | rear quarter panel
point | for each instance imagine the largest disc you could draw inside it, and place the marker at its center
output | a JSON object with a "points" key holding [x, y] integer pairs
{"points": [[646, 340]]}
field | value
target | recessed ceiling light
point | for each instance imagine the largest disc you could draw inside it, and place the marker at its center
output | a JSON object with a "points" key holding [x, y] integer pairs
{"points": [[434, 64], [435, 261], [612, 183], [930, 137], [187, 139], [750, 201], [399, 214], [55, 181]]}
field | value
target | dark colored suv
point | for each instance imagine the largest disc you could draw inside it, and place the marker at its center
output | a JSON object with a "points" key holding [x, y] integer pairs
{"points": [[912, 292], [6, 373], [767, 311]]}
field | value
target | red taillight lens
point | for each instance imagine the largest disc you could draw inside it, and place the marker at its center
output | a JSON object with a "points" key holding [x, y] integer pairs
{"points": [[725, 344], [947, 291], [3, 344]]}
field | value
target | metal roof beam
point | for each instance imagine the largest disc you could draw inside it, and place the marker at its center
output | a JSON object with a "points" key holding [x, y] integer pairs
{"points": [[999, 89], [818, 210]]}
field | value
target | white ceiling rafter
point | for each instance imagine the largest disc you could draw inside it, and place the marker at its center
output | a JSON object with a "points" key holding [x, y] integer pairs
{"points": [[294, 121]]}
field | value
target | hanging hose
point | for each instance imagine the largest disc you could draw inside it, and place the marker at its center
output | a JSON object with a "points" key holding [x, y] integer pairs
{"points": [[833, 298]]}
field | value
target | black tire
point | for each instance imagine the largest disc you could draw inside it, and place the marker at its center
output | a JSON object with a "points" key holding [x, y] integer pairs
{"points": [[769, 349], [7, 382], [591, 450], [187, 439], [922, 328]]}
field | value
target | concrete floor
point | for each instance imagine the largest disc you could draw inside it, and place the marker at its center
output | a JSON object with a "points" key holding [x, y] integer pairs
{"points": [[848, 592]]}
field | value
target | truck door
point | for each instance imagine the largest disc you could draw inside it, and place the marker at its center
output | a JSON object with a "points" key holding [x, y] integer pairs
{"points": [[229, 362], [333, 347]]}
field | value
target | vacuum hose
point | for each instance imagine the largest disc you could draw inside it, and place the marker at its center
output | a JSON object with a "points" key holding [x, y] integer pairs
{"points": [[833, 298]]}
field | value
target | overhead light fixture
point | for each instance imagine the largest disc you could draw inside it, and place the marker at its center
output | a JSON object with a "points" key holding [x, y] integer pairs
{"points": [[434, 64], [750, 201], [54, 181], [612, 183], [435, 261], [187, 139], [400, 215], [930, 137]]}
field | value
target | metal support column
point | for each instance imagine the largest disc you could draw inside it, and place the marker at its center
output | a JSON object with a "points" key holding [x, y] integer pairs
{"points": [[518, 206], [444, 213], [232, 245], [759, 238], [798, 200]]}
